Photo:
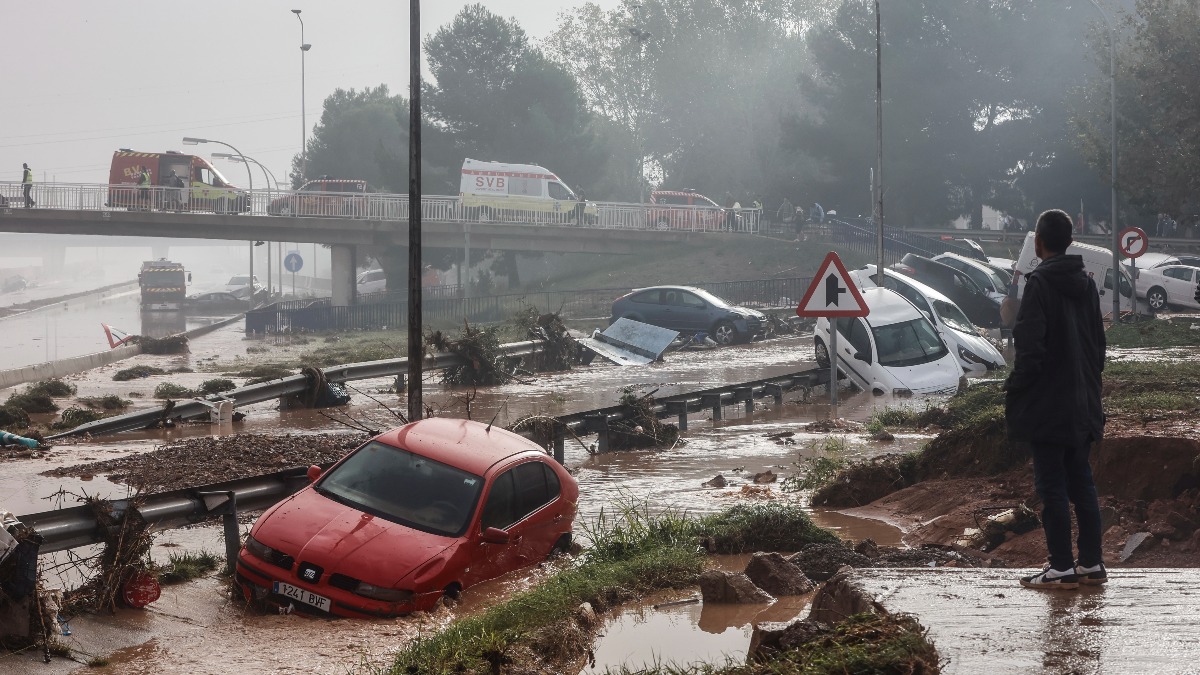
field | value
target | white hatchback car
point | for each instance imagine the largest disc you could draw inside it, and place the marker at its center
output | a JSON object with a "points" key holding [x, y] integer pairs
{"points": [[1168, 286], [895, 350], [975, 353], [372, 281]]}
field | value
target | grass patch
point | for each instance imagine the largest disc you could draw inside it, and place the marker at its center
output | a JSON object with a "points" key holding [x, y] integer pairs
{"points": [[32, 403], [863, 643], [760, 527], [265, 372], [137, 373], [73, 417], [1154, 333], [822, 467], [188, 565], [54, 388], [892, 418], [172, 390], [216, 386], [109, 402]]}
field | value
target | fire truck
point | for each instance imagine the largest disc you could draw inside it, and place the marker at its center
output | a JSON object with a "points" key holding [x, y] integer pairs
{"points": [[204, 188], [163, 284]]}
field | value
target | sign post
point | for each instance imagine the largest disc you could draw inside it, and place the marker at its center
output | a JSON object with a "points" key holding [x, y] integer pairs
{"points": [[832, 295], [1133, 242], [293, 263]]}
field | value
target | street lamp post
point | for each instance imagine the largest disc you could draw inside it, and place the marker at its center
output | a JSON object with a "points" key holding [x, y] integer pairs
{"points": [[304, 47], [270, 177], [189, 140], [1112, 122], [416, 347]]}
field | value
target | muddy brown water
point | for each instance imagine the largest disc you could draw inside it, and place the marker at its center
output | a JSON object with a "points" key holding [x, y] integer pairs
{"points": [[195, 629]]}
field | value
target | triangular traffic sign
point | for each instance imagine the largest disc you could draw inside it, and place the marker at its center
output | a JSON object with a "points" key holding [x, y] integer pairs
{"points": [[832, 293]]}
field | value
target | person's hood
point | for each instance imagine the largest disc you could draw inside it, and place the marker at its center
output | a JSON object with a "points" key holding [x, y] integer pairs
{"points": [[1064, 273]]}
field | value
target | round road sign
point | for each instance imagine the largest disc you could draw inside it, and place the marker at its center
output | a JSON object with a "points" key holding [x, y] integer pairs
{"points": [[1133, 242], [293, 262]]}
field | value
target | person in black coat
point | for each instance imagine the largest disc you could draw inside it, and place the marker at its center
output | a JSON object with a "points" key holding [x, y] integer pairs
{"points": [[1052, 400]]}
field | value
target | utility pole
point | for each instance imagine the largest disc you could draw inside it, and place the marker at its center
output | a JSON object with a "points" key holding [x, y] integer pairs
{"points": [[416, 346], [878, 181], [1112, 140]]}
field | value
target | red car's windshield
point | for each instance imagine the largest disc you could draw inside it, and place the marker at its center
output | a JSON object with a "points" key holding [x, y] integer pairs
{"points": [[403, 487]]}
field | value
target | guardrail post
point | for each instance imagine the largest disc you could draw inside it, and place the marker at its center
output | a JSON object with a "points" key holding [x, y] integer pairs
{"points": [[746, 396], [560, 443], [775, 390], [713, 401], [225, 505], [679, 409], [598, 423]]}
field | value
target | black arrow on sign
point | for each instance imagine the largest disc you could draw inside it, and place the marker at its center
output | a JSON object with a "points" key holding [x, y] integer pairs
{"points": [[833, 290]]}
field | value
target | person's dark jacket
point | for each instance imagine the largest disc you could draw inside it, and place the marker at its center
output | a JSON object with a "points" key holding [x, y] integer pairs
{"points": [[1053, 392]]}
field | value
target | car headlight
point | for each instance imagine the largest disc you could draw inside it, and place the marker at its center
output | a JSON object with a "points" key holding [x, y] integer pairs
{"points": [[382, 594], [969, 356], [259, 549]]}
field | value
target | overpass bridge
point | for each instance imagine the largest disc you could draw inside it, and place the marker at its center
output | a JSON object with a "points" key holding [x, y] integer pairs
{"points": [[346, 221]]}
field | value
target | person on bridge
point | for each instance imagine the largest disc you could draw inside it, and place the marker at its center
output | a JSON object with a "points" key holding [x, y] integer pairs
{"points": [[1052, 401], [27, 184], [144, 186]]}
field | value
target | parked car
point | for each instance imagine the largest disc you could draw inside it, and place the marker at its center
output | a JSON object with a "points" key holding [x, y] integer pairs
{"points": [[1168, 286], [216, 301], [894, 350], [685, 210], [372, 281], [690, 310], [1097, 262], [239, 285], [970, 248], [975, 353], [323, 197], [420, 512], [981, 308], [981, 272]]}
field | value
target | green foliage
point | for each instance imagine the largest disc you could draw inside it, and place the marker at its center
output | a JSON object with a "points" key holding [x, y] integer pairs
{"points": [[73, 417], [826, 460], [12, 417], [1153, 334], [172, 390], [32, 403], [188, 565], [890, 418], [106, 402], [54, 388], [137, 372], [771, 526], [216, 386]]}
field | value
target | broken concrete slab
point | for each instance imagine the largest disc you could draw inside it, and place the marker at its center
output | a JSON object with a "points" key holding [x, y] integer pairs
{"points": [[628, 342], [1137, 541]]}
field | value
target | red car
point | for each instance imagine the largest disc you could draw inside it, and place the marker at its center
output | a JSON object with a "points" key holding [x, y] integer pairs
{"points": [[422, 511], [685, 210]]}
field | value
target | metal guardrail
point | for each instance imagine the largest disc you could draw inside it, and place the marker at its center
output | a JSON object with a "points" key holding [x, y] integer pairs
{"points": [[76, 526], [391, 309], [375, 206], [287, 386]]}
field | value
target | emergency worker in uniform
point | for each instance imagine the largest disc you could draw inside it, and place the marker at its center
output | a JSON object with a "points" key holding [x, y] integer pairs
{"points": [[27, 184], [144, 186]]}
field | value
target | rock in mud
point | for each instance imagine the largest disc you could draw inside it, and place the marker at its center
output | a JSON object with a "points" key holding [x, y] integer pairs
{"points": [[867, 547], [765, 477], [1139, 541], [731, 587], [771, 637], [841, 597], [821, 561], [586, 615], [717, 481], [774, 574]]}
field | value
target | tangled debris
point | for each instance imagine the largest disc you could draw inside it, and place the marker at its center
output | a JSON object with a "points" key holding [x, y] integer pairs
{"points": [[640, 427], [560, 350], [201, 461], [73, 417], [479, 348], [173, 344], [137, 373], [126, 554]]}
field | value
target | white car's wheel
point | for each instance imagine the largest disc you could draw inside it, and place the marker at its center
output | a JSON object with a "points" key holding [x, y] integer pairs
{"points": [[1157, 299]]}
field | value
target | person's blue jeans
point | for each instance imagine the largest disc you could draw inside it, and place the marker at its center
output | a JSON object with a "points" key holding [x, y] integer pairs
{"points": [[1062, 477]]}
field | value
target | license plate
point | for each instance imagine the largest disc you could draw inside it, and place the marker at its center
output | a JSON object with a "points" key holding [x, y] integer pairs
{"points": [[300, 595]]}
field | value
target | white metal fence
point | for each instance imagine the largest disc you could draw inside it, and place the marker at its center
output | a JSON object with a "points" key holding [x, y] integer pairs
{"points": [[375, 206]]}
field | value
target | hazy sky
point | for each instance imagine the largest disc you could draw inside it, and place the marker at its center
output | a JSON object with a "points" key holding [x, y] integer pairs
{"points": [[84, 78]]}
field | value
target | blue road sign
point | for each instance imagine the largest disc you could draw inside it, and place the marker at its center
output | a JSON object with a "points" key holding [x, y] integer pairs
{"points": [[293, 262]]}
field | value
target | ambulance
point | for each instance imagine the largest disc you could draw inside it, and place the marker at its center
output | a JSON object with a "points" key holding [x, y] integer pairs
{"points": [[494, 190], [205, 189]]}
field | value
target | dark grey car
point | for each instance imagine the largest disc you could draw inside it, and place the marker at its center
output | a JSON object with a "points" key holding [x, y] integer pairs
{"points": [[689, 310]]}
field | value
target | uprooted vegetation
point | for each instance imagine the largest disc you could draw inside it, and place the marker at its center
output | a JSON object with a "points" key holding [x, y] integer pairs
{"points": [[54, 388], [107, 402], [634, 552], [32, 403], [640, 426], [479, 348], [73, 417], [137, 373]]}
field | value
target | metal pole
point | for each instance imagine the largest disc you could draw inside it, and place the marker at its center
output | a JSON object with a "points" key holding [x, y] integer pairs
{"points": [[878, 181], [833, 361], [303, 111], [416, 347], [1112, 122], [250, 281]]}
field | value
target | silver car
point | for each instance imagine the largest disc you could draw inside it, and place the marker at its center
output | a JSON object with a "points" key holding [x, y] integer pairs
{"points": [[689, 310]]}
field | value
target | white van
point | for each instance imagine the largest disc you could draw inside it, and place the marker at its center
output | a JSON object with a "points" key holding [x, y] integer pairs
{"points": [[492, 189], [1096, 260], [893, 350]]}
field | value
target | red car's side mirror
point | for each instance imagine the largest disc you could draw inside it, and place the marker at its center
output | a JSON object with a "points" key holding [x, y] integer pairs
{"points": [[314, 472], [493, 535]]}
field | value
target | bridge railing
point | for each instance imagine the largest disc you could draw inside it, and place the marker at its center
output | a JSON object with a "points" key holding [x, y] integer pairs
{"points": [[377, 206]]}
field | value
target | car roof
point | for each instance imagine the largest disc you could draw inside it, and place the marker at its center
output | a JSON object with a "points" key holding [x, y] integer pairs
{"points": [[972, 261], [471, 446], [673, 288], [888, 307], [924, 289]]}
